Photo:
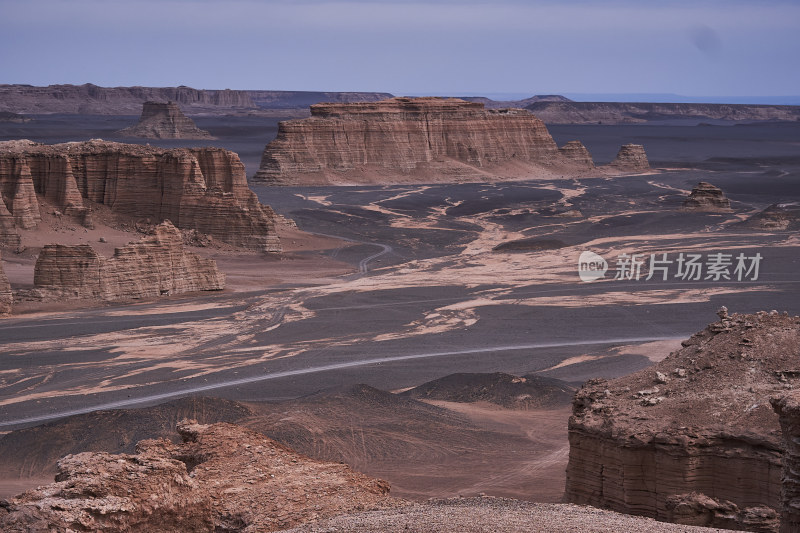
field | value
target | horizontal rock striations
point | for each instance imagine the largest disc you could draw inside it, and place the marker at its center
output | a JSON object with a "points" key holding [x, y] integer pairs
{"points": [[788, 408], [161, 120], [154, 266], [6, 297], [559, 112], [407, 140], [203, 189], [631, 158], [694, 439], [220, 478], [706, 197]]}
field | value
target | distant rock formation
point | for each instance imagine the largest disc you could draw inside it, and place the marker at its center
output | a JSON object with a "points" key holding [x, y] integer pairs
{"points": [[164, 121], [415, 140], [6, 297], [706, 197], [204, 189], [788, 408], [91, 99], [220, 478], [777, 217], [692, 440], [631, 158], [560, 112], [154, 266], [6, 116]]}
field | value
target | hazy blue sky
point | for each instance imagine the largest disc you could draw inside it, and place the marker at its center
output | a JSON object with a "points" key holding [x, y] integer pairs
{"points": [[698, 47]]}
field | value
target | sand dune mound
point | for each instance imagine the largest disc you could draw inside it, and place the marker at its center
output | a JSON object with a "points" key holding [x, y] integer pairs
{"points": [[525, 392]]}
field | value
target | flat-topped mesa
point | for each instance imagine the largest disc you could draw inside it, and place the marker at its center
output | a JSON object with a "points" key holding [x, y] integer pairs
{"points": [[415, 140], [204, 189], [154, 266], [161, 120], [692, 440], [706, 197]]}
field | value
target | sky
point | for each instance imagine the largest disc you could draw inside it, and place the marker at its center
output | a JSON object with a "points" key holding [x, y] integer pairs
{"points": [[700, 47]]}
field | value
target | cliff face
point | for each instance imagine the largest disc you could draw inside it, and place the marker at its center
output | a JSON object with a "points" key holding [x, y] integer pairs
{"points": [[706, 197], [204, 189], [788, 409], [164, 121], [635, 113], [156, 265], [694, 439], [6, 297], [414, 140], [220, 478]]}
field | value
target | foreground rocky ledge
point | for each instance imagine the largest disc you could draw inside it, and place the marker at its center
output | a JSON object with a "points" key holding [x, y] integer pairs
{"points": [[694, 439], [422, 140], [202, 189], [220, 478]]}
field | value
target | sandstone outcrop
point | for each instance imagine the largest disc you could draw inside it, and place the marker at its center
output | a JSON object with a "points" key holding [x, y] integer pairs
{"points": [[6, 297], [220, 478], [154, 266], [694, 439], [706, 197], [202, 189], [414, 140], [788, 409], [161, 120], [777, 217], [631, 158], [560, 112]]}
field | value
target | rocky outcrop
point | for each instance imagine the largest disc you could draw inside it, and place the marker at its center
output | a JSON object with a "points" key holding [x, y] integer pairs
{"points": [[6, 116], [161, 120], [154, 266], [788, 409], [631, 158], [202, 189], [706, 197], [6, 297], [414, 140], [220, 478], [560, 112], [699, 422], [777, 217]]}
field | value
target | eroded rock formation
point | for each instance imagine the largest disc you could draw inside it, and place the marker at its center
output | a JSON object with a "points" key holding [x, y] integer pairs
{"points": [[407, 140], [161, 120], [6, 297], [154, 266], [788, 408], [706, 197], [220, 478], [694, 439], [777, 217], [631, 158], [204, 189]]}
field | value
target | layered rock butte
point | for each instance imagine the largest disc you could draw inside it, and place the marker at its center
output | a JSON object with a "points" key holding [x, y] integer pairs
{"points": [[6, 296], [706, 197], [161, 120], [416, 140], [694, 439], [154, 266], [221, 478], [202, 189]]}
